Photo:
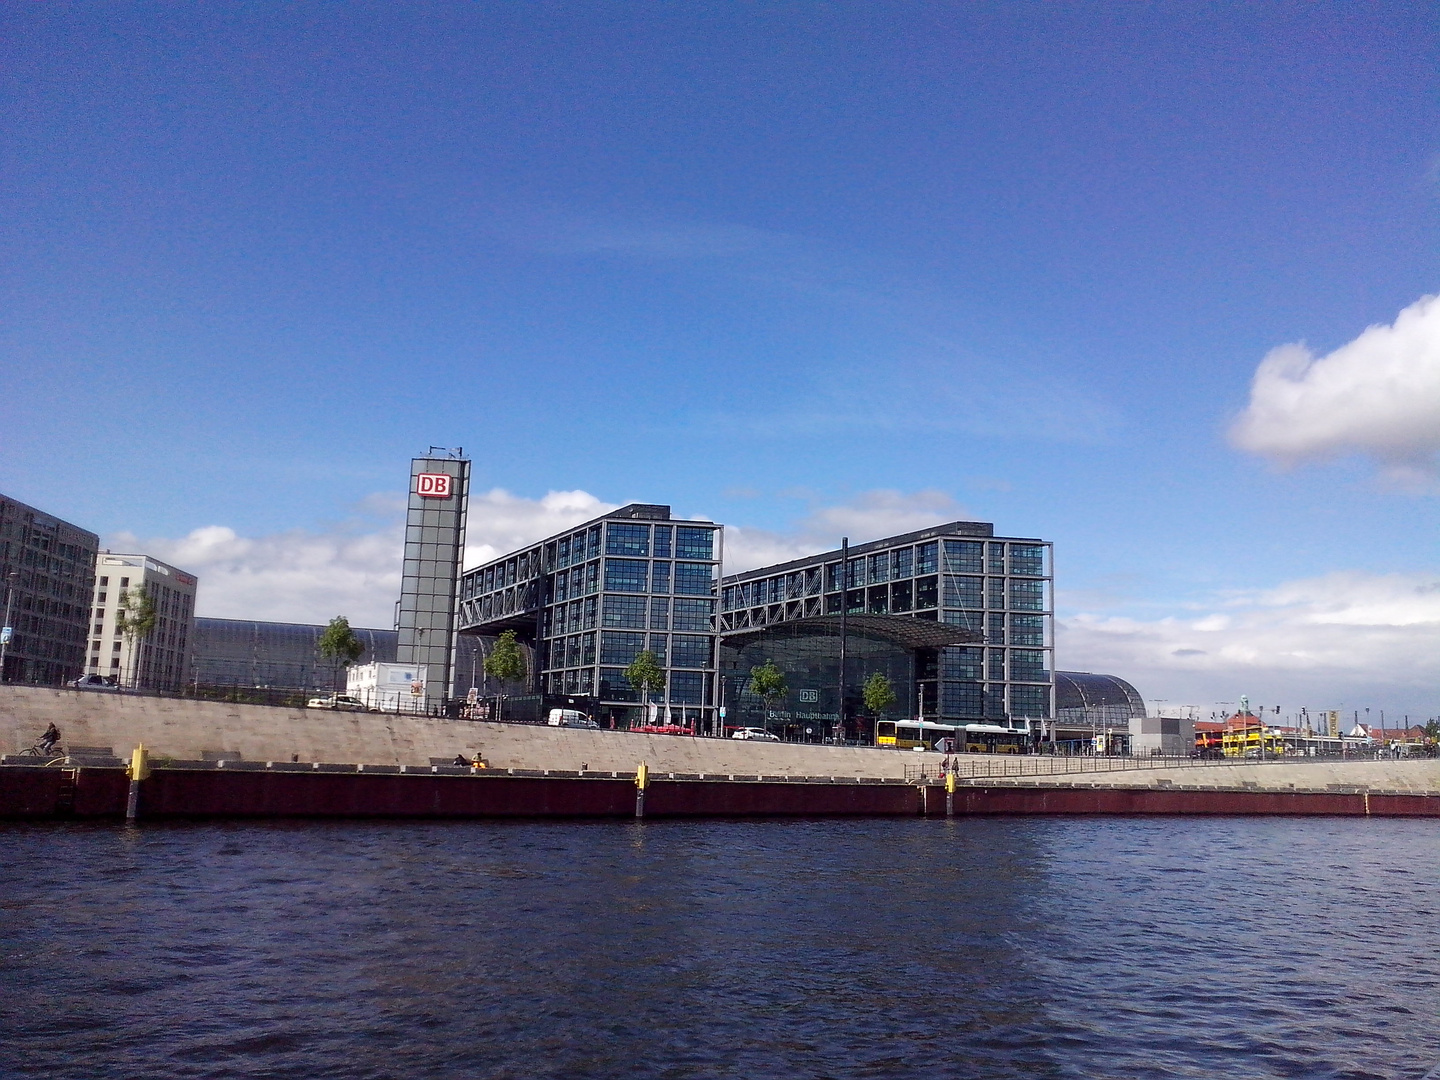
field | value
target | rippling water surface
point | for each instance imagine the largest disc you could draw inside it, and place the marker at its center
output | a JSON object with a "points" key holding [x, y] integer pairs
{"points": [[1118, 947]]}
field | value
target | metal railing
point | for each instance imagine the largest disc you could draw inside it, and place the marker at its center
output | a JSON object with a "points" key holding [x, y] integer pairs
{"points": [[966, 766]]}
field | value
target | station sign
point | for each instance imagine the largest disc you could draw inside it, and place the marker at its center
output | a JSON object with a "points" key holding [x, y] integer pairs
{"points": [[431, 485], [809, 695]]}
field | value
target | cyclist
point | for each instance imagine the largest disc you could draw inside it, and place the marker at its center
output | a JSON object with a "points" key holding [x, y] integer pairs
{"points": [[49, 739]]}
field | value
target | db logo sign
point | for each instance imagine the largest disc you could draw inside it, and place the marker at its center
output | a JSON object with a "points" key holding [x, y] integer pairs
{"points": [[433, 485]]}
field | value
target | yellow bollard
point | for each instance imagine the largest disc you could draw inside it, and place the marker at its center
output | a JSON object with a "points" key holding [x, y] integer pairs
{"points": [[949, 794], [642, 781], [139, 770]]}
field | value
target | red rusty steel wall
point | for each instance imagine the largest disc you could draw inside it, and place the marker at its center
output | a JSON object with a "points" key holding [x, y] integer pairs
{"points": [[37, 792]]}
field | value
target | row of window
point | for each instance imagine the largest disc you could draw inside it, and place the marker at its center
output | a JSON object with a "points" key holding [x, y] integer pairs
{"points": [[638, 576], [1026, 665], [690, 541], [629, 612], [895, 564]]}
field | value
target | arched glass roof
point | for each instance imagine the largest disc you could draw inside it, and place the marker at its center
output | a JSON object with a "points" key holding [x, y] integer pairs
{"points": [[1083, 690]]}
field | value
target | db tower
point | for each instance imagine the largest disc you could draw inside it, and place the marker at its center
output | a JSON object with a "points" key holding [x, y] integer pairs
{"points": [[434, 548]]}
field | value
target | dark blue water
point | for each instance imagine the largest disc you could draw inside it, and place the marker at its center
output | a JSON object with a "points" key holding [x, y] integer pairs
{"points": [[1121, 947]]}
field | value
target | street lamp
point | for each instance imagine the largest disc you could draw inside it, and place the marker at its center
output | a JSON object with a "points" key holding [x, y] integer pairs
{"points": [[5, 629]]}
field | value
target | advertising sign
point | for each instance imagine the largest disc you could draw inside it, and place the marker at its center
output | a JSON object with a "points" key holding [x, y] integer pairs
{"points": [[5, 633], [1333, 719], [430, 485]]}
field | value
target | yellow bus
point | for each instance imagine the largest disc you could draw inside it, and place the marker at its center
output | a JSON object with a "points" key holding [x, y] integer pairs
{"points": [[1252, 741], [950, 738]]}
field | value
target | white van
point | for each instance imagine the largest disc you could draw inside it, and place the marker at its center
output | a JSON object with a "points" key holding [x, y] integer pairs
{"points": [[570, 718]]}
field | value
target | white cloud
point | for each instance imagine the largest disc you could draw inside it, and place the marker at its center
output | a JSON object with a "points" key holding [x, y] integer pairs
{"points": [[300, 576], [1378, 395], [1360, 639], [869, 516], [354, 570]]}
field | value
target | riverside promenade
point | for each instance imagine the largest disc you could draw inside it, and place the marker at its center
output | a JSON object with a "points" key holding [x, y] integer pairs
{"points": [[218, 759]]}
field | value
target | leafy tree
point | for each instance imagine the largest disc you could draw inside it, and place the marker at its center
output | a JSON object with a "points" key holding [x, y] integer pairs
{"points": [[646, 675], [136, 619], [879, 694], [506, 662], [768, 682], [339, 645]]}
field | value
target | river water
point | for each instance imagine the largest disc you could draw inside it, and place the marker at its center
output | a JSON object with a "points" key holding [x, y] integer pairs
{"points": [[1024, 947]]}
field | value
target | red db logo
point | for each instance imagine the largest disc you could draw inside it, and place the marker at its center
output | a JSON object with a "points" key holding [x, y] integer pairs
{"points": [[433, 485]]}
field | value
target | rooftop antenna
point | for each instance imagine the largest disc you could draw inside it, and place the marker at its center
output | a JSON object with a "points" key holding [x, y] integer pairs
{"points": [[456, 452]]}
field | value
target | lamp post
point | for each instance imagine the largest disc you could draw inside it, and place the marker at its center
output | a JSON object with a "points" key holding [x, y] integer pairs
{"points": [[5, 636]]}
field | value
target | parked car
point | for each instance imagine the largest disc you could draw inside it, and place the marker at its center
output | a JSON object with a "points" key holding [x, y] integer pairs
{"points": [[570, 718], [95, 682], [338, 702], [758, 734]]}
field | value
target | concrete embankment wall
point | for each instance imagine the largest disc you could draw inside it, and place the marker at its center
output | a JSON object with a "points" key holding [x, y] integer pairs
{"points": [[1403, 774], [191, 730], [49, 793]]}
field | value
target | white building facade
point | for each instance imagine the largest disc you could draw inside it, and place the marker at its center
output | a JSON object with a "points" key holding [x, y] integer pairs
{"points": [[161, 659]]}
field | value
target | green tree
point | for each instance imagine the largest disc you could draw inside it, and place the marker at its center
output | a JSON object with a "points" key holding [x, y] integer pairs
{"points": [[339, 645], [768, 682], [506, 662], [646, 675], [136, 620], [879, 694]]}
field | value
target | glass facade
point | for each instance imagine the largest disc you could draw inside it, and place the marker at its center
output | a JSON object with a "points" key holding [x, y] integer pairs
{"points": [[809, 656], [47, 575], [586, 602], [960, 574]]}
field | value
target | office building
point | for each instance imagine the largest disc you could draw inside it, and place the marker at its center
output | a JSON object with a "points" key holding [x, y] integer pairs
{"points": [[47, 576], [990, 596], [587, 601], [434, 548], [160, 659]]}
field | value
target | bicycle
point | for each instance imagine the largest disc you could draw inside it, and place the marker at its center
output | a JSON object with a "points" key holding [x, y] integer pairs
{"points": [[42, 750]]}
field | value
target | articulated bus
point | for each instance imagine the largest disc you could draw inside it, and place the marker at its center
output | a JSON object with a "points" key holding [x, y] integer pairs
{"points": [[950, 738]]}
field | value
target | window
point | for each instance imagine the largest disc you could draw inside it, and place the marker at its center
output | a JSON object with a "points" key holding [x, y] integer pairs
{"points": [[855, 573], [625, 575], [625, 611], [925, 558], [691, 651], [855, 601], [615, 687], [926, 592], [900, 562], [963, 556], [832, 577], [1027, 595], [963, 592], [693, 543], [879, 568], [627, 539], [902, 596], [996, 664], [970, 620], [1030, 701], [562, 558], [657, 646], [962, 699], [124, 581], [617, 647], [662, 541], [879, 600], [100, 599], [997, 558], [1028, 665], [104, 581], [1027, 559], [116, 647], [660, 577], [692, 579], [692, 614], [660, 613], [997, 593], [687, 688], [1027, 629], [962, 664], [996, 635], [587, 652]]}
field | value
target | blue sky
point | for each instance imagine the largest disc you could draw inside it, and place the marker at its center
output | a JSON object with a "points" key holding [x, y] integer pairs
{"points": [[830, 266]]}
